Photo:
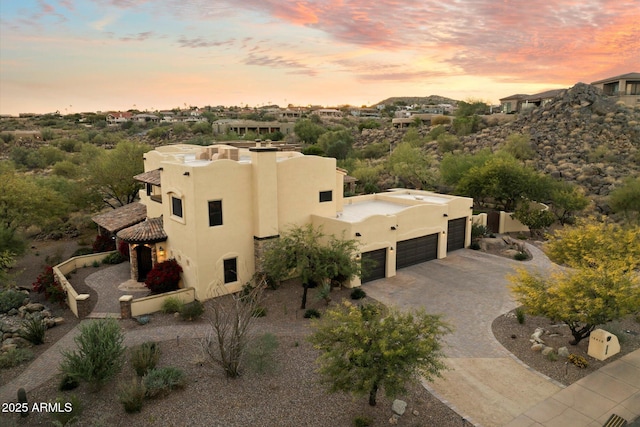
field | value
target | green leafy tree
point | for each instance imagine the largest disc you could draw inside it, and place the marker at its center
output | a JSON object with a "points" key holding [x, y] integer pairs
{"points": [[308, 131], [566, 200], [626, 198], [412, 166], [448, 143], [336, 144], [111, 174], [535, 218], [519, 146], [454, 167], [365, 349], [308, 253]]}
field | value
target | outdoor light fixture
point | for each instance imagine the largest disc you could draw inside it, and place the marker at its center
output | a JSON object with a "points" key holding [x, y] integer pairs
{"points": [[161, 251], [358, 235], [445, 214], [186, 174], [393, 227], [391, 248]]}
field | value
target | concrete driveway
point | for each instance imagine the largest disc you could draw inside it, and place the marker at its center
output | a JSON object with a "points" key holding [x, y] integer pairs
{"points": [[486, 385]]}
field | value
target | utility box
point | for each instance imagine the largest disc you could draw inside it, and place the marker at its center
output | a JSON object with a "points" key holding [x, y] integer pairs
{"points": [[603, 344]]}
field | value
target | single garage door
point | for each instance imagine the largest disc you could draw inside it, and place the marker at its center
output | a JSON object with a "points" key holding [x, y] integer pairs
{"points": [[455, 234], [415, 251], [374, 265]]}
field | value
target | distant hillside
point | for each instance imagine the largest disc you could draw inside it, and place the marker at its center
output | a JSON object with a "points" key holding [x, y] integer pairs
{"points": [[420, 100]]}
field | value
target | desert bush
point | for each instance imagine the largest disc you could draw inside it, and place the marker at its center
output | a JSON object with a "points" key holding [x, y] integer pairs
{"points": [[311, 313], [99, 353], [475, 246], [362, 421], [33, 330], [552, 356], [67, 383], [72, 411], [440, 120], [259, 312], [579, 361], [358, 293], [171, 305], [478, 231], [324, 293], [521, 256], [164, 277], [123, 249], [192, 311], [46, 283], [161, 381], [14, 357], [260, 355], [520, 315], [144, 357], [10, 299], [114, 258], [82, 251], [132, 395]]}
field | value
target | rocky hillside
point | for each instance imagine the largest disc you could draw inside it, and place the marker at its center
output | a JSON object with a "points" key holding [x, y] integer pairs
{"points": [[420, 100], [581, 136]]}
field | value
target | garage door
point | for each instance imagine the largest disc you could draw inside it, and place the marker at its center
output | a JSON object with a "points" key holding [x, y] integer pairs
{"points": [[415, 251], [456, 233], [374, 265]]}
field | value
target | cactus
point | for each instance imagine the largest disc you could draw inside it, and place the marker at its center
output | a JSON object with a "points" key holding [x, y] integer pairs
{"points": [[22, 398]]}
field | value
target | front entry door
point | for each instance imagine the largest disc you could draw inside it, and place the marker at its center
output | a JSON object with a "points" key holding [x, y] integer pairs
{"points": [[145, 263]]}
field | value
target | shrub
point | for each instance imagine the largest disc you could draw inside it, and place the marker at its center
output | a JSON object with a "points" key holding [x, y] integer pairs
{"points": [[164, 277], [33, 330], [95, 264], [171, 305], [192, 311], [46, 283], [11, 299], [103, 243], [361, 421], [259, 312], [475, 246], [123, 249], [68, 383], [64, 418], [552, 356], [144, 357], [161, 381], [311, 313], [114, 258], [260, 357], [478, 231], [82, 251], [579, 361], [520, 315], [14, 357], [521, 256], [99, 354], [132, 395], [358, 293]]}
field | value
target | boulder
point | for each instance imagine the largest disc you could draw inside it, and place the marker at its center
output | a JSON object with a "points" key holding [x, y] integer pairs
{"points": [[547, 350], [399, 406], [563, 352], [33, 307], [537, 347]]}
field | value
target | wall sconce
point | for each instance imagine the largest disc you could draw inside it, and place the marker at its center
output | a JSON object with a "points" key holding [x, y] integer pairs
{"points": [[186, 174], [445, 214], [470, 207], [161, 251], [393, 227], [391, 249], [160, 169], [358, 235]]}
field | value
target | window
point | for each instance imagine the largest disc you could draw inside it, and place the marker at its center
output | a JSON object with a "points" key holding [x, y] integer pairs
{"points": [[326, 196], [230, 270], [215, 213], [176, 206], [149, 189]]}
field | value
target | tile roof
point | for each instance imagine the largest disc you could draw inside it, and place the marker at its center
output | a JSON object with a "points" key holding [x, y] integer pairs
{"points": [[122, 217], [148, 231], [151, 177]]}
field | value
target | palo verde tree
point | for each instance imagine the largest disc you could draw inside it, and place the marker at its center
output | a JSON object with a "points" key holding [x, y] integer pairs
{"points": [[306, 252], [626, 198], [601, 286], [111, 174], [412, 166], [367, 348], [567, 200]]}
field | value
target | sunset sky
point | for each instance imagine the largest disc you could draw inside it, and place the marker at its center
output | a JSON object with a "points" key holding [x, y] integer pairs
{"points": [[90, 55]]}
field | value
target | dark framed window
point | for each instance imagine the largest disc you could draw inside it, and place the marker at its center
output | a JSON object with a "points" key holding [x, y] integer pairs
{"points": [[149, 189], [215, 213], [230, 270], [176, 206], [326, 196]]}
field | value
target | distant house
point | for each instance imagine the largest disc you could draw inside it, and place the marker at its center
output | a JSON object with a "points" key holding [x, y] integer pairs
{"points": [[117, 117], [625, 87], [145, 118], [520, 102], [241, 127], [328, 112], [213, 209]]}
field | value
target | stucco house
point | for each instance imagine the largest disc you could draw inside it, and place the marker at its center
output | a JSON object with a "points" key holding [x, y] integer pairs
{"points": [[214, 208], [521, 102], [625, 88]]}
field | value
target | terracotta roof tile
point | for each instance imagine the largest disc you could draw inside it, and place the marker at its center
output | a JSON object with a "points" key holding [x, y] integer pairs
{"points": [[147, 231], [122, 217], [151, 177]]}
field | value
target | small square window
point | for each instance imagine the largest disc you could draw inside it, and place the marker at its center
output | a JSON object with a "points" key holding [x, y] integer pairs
{"points": [[326, 196], [176, 206], [215, 213], [230, 270]]}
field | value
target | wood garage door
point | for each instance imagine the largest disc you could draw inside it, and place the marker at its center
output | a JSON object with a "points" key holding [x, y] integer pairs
{"points": [[374, 264], [415, 251], [456, 232]]}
